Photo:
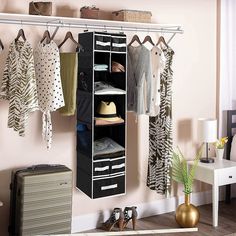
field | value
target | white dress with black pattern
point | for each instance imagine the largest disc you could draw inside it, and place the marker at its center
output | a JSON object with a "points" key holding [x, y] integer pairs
{"points": [[50, 94]]}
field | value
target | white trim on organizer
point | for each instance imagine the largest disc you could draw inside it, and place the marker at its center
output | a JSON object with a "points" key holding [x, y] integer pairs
{"points": [[117, 36], [117, 158], [104, 35], [101, 160], [161, 206], [110, 159], [93, 125], [108, 51], [110, 176]]}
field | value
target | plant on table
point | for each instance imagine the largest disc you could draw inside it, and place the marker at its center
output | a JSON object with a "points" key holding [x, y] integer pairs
{"points": [[220, 143]]}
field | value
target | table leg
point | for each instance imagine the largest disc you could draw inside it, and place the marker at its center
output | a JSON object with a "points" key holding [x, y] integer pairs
{"points": [[215, 204]]}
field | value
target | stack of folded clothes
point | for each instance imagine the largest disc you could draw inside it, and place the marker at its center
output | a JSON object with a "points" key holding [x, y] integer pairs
{"points": [[106, 147], [103, 88], [100, 67]]}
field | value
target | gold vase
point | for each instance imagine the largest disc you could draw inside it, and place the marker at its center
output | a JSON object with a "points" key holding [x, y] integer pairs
{"points": [[187, 215]]}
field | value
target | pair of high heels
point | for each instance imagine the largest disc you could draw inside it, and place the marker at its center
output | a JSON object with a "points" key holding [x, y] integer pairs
{"points": [[121, 218]]}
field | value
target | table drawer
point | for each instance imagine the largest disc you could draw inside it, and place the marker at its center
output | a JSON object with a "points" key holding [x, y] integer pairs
{"points": [[227, 176]]}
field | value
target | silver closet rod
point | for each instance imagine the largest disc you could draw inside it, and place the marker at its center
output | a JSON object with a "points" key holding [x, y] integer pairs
{"points": [[164, 29]]}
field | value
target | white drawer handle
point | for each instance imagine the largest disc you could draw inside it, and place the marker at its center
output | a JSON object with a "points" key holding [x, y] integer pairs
{"points": [[103, 43], [119, 45], [109, 187], [118, 166], [101, 168]]}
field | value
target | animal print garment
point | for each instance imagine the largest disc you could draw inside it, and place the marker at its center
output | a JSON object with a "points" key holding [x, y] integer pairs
{"points": [[160, 133]]}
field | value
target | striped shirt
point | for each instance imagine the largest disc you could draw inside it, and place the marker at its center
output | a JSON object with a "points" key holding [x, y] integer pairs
{"points": [[19, 85]]}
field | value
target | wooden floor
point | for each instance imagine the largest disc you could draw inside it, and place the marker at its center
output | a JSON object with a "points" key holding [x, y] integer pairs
{"points": [[227, 222]]}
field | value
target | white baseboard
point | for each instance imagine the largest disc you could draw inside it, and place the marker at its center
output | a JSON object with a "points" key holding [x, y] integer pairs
{"points": [[161, 206]]}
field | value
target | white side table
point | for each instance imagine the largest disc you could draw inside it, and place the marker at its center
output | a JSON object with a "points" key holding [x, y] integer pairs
{"points": [[217, 174]]}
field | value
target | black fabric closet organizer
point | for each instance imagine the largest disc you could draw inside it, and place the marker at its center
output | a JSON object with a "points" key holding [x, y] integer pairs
{"points": [[100, 176]]}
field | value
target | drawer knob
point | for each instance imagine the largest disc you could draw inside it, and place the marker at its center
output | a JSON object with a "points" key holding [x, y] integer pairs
{"points": [[230, 176]]}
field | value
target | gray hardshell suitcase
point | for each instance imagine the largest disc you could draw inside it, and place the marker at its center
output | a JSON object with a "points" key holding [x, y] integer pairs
{"points": [[41, 201]]}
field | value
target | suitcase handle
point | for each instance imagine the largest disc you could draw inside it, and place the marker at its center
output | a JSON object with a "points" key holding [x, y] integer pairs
{"points": [[41, 166]]}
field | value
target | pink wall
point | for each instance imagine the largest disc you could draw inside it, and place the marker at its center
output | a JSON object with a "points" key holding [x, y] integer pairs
{"points": [[194, 96]]}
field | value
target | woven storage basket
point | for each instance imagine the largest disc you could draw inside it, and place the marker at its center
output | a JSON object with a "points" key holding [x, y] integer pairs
{"points": [[132, 16], [40, 8], [94, 13]]}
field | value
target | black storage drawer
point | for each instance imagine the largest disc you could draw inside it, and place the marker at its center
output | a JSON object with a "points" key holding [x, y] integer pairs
{"points": [[101, 168], [118, 44], [117, 165], [102, 42], [109, 186]]}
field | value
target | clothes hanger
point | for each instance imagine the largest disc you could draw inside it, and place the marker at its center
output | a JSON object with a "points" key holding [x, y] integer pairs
{"points": [[1, 45], [21, 34], [69, 36], [148, 39], [135, 38], [162, 40], [46, 35]]}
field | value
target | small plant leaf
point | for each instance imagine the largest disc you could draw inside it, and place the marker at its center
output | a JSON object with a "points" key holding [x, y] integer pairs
{"points": [[181, 172]]}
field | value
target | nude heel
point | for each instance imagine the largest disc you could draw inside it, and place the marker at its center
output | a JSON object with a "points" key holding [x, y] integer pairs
{"points": [[121, 224], [134, 222]]}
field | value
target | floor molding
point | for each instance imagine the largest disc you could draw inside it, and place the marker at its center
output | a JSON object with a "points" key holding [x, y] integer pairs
{"points": [[161, 206], [141, 232]]}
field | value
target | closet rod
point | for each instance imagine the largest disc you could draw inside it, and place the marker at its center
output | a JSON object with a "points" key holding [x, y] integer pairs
{"points": [[60, 23]]}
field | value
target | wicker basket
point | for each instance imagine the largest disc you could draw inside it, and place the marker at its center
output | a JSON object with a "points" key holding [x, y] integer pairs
{"points": [[94, 13], [132, 16], [40, 8]]}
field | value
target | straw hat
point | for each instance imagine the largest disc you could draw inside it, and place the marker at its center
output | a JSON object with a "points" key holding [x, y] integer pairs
{"points": [[107, 111]]}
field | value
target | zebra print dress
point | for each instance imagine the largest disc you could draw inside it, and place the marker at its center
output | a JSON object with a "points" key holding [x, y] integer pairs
{"points": [[160, 133], [19, 85]]}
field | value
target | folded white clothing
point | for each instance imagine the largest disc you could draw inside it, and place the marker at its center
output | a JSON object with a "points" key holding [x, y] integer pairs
{"points": [[103, 88], [100, 67]]}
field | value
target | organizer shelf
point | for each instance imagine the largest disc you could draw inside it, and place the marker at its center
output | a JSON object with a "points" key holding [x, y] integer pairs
{"points": [[100, 176]]}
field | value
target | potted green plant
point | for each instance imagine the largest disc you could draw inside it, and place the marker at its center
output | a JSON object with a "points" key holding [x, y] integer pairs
{"points": [[220, 145], [187, 215]]}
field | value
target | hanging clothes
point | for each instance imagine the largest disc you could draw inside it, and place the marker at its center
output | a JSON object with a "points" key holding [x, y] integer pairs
{"points": [[50, 94], [69, 66], [158, 64], [160, 132], [139, 79], [19, 85]]}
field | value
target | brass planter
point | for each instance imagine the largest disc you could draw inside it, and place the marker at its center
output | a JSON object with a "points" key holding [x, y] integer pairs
{"points": [[187, 215]]}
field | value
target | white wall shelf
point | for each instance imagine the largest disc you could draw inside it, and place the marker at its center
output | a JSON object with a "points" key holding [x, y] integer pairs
{"points": [[87, 24]]}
